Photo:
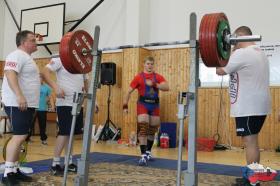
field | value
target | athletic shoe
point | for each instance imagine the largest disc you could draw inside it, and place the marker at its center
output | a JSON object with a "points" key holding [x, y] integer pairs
{"points": [[57, 170], [22, 177], [256, 172], [10, 179], [143, 161], [72, 168], [149, 156]]}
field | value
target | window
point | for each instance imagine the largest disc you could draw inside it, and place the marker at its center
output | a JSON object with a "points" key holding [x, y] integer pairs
{"points": [[209, 78]]}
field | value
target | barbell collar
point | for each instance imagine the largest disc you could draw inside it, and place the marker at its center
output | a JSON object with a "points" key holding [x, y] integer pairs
{"points": [[233, 39]]}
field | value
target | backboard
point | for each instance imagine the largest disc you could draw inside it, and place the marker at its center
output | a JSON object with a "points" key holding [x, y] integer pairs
{"points": [[47, 21]]}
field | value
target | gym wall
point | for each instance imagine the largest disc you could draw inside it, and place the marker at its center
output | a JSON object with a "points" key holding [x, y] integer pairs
{"points": [[213, 105], [143, 21]]}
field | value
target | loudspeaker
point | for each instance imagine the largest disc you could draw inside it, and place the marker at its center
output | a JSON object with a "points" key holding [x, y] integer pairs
{"points": [[108, 73]]}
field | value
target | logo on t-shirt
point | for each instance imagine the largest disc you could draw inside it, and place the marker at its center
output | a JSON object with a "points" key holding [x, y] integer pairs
{"points": [[11, 64], [233, 87]]}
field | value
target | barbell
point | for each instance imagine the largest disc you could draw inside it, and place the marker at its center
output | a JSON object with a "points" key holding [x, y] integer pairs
{"points": [[215, 40]]}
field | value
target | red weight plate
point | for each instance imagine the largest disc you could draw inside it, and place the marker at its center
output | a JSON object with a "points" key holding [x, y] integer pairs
{"points": [[64, 53], [80, 41], [204, 34], [207, 43], [216, 59], [208, 40], [212, 41], [202, 39], [71, 52]]}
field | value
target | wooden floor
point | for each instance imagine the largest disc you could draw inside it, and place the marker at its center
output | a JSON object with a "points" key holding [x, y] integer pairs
{"points": [[236, 156]]}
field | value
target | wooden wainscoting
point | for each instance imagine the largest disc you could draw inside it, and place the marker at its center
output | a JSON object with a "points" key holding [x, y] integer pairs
{"points": [[173, 64]]}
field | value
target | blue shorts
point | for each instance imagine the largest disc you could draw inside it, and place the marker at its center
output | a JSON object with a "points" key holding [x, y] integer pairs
{"points": [[65, 121], [147, 108], [21, 121]]}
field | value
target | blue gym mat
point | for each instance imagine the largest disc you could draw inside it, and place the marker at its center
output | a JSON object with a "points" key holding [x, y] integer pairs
{"points": [[97, 157]]}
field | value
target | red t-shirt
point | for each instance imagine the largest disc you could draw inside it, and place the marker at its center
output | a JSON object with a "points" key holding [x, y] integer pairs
{"points": [[139, 83]]}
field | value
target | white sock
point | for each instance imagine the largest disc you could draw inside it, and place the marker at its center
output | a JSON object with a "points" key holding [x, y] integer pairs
{"points": [[9, 167], [70, 160], [16, 166], [56, 161]]}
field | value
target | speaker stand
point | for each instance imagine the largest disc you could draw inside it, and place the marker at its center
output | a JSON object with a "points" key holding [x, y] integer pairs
{"points": [[105, 134]]}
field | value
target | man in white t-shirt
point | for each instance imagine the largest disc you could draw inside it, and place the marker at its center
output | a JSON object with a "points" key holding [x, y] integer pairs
{"points": [[20, 96], [249, 92], [64, 88]]}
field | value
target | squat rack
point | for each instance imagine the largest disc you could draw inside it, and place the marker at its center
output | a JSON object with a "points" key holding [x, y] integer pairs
{"points": [[191, 102], [187, 104]]}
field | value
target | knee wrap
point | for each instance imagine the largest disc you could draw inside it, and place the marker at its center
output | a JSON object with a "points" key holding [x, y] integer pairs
{"points": [[152, 130], [142, 129]]}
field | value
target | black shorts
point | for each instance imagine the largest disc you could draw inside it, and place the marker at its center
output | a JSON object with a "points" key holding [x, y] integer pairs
{"points": [[65, 121], [249, 125], [21, 121]]}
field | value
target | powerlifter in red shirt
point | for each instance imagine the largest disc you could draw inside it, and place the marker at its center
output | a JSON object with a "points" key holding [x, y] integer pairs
{"points": [[148, 83]]}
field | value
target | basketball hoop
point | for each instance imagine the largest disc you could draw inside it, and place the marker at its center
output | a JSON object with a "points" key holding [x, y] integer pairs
{"points": [[39, 37]]}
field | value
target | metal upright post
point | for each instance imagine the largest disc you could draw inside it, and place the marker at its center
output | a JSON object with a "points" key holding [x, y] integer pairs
{"points": [[182, 113], [190, 178], [83, 163], [78, 99]]}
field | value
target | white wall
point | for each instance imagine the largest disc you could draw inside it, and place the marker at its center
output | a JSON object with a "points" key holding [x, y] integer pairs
{"points": [[142, 21], [169, 19]]}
